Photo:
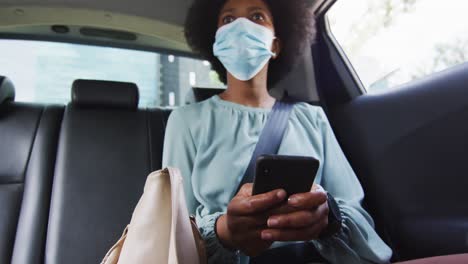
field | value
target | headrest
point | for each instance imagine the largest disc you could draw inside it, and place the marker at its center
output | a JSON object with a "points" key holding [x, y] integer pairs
{"points": [[7, 90], [106, 94], [202, 94]]}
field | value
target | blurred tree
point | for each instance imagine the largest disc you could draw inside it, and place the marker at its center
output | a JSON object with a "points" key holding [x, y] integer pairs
{"points": [[394, 8], [446, 55], [378, 16], [451, 54], [372, 23]]}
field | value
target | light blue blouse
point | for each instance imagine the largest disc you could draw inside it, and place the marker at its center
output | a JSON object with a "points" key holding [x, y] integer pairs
{"points": [[212, 142]]}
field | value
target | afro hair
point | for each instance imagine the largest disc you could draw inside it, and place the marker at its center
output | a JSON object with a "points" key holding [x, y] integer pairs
{"points": [[294, 26]]}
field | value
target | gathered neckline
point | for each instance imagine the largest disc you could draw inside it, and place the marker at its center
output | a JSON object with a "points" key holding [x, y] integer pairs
{"points": [[217, 100]]}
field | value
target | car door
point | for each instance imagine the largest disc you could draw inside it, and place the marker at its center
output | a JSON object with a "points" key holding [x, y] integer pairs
{"points": [[403, 127]]}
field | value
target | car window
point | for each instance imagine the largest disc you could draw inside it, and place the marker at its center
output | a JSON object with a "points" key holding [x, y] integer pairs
{"points": [[392, 42], [44, 71]]}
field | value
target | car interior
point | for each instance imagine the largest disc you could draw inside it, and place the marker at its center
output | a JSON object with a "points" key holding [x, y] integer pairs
{"points": [[71, 174]]}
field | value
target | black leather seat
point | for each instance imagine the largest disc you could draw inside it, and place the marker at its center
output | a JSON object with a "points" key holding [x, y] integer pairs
{"points": [[7, 90], [28, 141], [107, 148], [96, 153]]}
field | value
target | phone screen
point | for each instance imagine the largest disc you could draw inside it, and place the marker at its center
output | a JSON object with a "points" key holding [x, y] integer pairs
{"points": [[294, 174]]}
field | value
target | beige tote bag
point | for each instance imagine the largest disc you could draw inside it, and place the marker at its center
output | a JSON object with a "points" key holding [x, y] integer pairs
{"points": [[160, 230]]}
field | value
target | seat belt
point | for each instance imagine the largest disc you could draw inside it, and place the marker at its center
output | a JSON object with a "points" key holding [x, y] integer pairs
{"points": [[271, 136]]}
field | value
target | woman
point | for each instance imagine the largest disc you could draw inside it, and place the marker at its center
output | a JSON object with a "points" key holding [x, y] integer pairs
{"points": [[252, 44]]}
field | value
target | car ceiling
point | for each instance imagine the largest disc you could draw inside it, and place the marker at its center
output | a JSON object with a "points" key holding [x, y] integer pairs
{"points": [[156, 24], [168, 11]]}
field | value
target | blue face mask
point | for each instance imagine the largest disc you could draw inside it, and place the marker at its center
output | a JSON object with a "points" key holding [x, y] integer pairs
{"points": [[243, 47]]}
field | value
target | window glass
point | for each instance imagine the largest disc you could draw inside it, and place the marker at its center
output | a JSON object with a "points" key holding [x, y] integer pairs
{"points": [[44, 71], [391, 42]]}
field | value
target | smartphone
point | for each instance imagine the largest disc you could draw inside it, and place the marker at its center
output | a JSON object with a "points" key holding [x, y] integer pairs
{"points": [[294, 174]]}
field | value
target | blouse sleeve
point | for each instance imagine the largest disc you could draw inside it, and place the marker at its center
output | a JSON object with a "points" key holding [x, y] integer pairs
{"points": [[357, 242], [180, 151]]}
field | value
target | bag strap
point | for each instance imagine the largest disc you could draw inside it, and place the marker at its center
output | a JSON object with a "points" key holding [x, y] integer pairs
{"points": [[271, 136]]}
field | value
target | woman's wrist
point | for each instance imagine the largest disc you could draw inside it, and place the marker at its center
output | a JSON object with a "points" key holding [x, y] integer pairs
{"points": [[223, 233]]}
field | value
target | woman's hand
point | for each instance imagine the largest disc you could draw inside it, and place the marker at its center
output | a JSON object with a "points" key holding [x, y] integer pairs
{"points": [[241, 227], [303, 218]]}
